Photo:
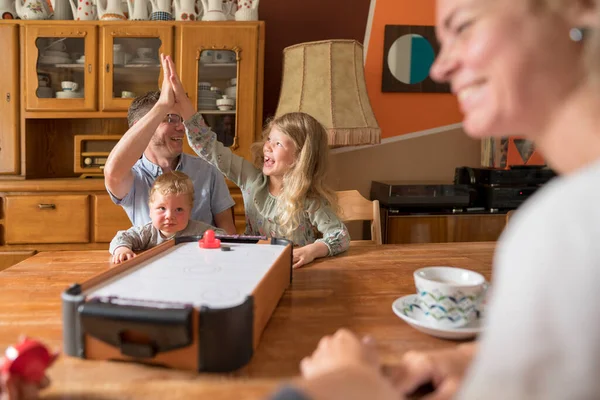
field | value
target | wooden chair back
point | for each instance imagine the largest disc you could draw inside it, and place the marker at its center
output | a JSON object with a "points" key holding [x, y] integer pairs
{"points": [[356, 208]]}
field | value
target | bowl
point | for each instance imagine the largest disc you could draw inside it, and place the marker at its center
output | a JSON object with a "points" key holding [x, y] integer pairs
{"points": [[225, 101], [204, 85], [225, 107], [145, 52]]}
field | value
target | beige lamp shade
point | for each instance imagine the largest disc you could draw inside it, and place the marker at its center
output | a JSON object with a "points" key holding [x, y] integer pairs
{"points": [[326, 79]]}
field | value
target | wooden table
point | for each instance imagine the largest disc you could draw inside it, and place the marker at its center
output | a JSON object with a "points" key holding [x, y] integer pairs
{"points": [[353, 290]]}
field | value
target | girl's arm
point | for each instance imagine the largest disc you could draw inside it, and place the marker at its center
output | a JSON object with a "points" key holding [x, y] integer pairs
{"points": [[335, 233], [336, 238], [204, 142]]}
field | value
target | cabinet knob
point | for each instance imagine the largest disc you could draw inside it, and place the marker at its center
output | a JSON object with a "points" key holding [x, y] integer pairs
{"points": [[107, 68], [43, 206], [8, 97]]}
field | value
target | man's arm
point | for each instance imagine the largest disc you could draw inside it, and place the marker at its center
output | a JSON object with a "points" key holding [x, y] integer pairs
{"points": [[118, 177], [224, 220], [117, 171]]}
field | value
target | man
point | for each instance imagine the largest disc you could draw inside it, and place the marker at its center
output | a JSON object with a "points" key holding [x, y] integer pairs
{"points": [[156, 134]]}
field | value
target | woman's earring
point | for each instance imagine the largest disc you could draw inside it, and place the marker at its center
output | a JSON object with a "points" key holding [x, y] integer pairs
{"points": [[576, 34]]}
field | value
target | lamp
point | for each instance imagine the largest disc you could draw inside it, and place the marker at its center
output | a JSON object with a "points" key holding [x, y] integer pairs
{"points": [[326, 80]]}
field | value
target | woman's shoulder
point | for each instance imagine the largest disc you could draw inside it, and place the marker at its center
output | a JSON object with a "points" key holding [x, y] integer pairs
{"points": [[565, 211]]}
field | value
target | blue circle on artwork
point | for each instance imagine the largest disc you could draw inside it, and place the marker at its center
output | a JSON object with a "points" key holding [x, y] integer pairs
{"points": [[410, 58]]}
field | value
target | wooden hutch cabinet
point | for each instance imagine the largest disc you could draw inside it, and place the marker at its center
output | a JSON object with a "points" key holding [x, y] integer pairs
{"points": [[64, 94]]}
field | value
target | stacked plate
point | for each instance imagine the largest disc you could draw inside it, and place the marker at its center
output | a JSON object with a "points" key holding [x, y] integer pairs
{"points": [[55, 57], [69, 95], [207, 99]]}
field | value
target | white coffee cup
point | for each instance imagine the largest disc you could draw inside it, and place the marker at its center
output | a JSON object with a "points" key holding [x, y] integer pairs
{"points": [[449, 297], [69, 86]]}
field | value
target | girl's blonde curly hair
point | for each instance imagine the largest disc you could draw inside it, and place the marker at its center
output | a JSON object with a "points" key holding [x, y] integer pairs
{"points": [[306, 177]]}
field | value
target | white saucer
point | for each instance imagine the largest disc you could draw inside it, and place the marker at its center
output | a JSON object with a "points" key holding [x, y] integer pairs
{"points": [[417, 320]]}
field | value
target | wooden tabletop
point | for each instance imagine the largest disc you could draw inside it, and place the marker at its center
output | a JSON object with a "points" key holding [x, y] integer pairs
{"points": [[353, 290]]}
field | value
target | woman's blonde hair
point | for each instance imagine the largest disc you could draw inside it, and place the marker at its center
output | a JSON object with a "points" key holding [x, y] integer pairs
{"points": [[172, 182], [305, 179]]}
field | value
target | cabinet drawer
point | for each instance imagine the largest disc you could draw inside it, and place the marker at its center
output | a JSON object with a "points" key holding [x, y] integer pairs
{"points": [[108, 218], [47, 219]]}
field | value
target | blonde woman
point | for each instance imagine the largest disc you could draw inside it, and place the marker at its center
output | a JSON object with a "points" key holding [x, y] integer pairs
{"points": [[529, 67]]}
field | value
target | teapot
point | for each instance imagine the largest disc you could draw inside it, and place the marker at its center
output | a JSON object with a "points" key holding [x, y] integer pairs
{"points": [[33, 9], [185, 10], [138, 10], [84, 12], [213, 10], [111, 10]]}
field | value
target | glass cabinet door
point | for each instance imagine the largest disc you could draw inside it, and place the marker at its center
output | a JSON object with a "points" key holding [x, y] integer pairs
{"points": [[61, 62], [131, 62], [219, 70], [217, 92]]}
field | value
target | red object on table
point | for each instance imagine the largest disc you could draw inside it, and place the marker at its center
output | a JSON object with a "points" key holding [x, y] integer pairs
{"points": [[209, 241], [28, 359]]}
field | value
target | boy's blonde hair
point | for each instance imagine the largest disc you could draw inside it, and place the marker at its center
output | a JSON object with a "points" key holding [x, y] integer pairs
{"points": [[306, 178], [172, 182]]}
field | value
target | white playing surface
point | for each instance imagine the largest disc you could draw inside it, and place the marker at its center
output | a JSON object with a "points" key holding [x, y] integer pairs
{"points": [[188, 274]]}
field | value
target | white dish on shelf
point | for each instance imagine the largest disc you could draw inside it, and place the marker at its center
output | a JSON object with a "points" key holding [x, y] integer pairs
{"points": [[69, 95], [52, 53], [147, 61], [54, 60], [80, 61]]}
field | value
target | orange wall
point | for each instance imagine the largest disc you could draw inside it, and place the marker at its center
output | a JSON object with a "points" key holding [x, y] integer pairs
{"points": [[400, 113]]}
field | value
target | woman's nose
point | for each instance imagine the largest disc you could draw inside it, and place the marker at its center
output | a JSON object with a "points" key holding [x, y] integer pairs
{"points": [[443, 66]]}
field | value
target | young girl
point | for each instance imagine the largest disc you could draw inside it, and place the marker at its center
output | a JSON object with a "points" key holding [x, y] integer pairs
{"points": [[171, 199], [284, 192]]}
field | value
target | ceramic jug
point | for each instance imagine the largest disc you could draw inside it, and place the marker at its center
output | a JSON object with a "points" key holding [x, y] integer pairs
{"points": [[161, 10], [110, 10], [138, 10], [84, 11], [213, 10], [185, 10], [33, 9], [248, 11], [62, 10], [229, 9], [7, 9]]}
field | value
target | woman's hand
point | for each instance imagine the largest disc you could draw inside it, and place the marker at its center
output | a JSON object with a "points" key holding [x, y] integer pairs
{"points": [[122, 254], [341, 350], [444, 369]]}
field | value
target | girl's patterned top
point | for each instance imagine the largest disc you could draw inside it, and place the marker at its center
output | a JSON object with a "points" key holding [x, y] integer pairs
{"points": [[260, 205]]}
